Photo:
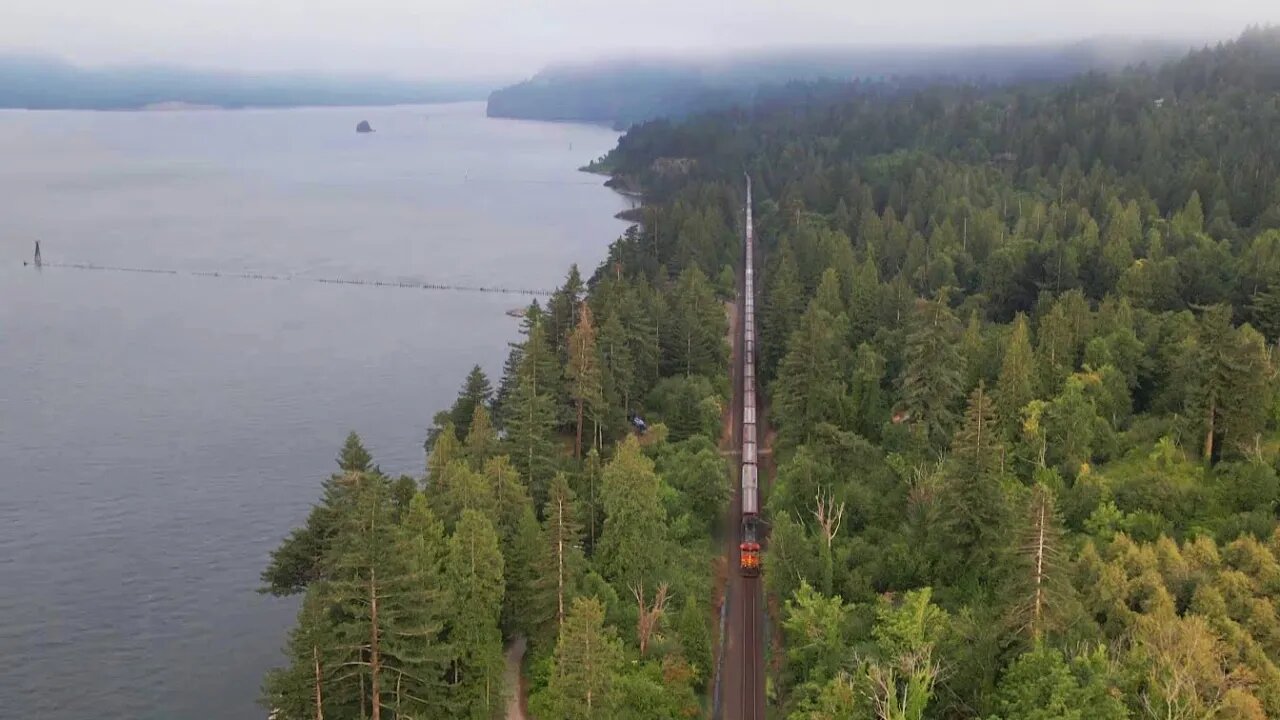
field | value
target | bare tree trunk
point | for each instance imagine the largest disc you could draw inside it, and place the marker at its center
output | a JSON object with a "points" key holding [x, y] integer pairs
{"points": [[375, 658], [577, 440], [315, 656], [1208, 435], [1039, 597], [560, 566]]}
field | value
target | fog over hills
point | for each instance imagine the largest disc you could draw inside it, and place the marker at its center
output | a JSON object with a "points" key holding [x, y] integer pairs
{"points": [[38, 82], [628, 90]]}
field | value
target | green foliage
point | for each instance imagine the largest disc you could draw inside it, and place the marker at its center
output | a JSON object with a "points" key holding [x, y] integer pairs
{"points": [[631, 549], [588, 658]]}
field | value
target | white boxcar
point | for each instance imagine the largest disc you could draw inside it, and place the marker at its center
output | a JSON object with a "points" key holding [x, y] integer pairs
{"points": [[750, 491]]}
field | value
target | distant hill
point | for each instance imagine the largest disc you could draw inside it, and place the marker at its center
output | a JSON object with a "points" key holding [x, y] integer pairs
{"points": [[44, 83], [623, 92]]}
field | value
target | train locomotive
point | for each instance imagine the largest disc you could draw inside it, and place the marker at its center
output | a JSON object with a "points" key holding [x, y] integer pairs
{"points": [[749, 543]]}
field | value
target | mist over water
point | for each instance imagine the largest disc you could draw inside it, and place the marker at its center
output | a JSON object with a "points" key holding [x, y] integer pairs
{"points": [[160, 434]]}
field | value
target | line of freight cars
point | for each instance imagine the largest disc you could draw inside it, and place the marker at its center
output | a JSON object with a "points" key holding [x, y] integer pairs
{"points": [[749, 545]]}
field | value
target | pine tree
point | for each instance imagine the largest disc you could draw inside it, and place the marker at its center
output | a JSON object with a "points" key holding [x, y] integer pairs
{"points": [[518, 538], [446, 450], [481, 439], [1227, 370], [780, 311], [619, 372], [476, 392], [631, 548], [694, 339], [298, 560], [531, 415], [974, 506], [563, 539], [583, 372], [1040, 589], [415, 645], [931, 378], [588, 657], [372, 590], [562, 314], [474, 575], [864, 302], [533, 316], [1016, 384], [810, 388], [307, 688], [867, 404]]}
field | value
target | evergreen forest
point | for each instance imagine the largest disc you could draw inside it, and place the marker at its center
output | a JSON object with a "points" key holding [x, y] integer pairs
{"points": [[1020, 347]]}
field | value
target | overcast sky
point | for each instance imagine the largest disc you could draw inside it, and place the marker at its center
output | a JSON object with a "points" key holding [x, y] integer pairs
{"points": [[514, 38]]}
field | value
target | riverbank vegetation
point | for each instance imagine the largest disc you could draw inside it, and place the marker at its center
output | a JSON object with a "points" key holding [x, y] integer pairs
{"points": [[542, 512]]}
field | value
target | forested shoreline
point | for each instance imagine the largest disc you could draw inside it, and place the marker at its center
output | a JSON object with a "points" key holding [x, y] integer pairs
{"points": [[1020, 347]]}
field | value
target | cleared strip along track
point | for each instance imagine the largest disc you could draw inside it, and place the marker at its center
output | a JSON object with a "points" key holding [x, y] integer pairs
{"points": [[741, 684]]}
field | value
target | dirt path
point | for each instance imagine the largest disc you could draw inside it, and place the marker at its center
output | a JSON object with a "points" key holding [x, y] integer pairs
{"points": [[516, 702]]}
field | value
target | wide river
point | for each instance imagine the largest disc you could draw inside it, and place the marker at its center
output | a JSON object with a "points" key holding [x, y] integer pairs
{"points": [[160, 434]]}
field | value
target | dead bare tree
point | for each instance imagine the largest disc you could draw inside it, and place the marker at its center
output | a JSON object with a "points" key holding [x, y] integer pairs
{"points": [[650, 615], [828, 514]]}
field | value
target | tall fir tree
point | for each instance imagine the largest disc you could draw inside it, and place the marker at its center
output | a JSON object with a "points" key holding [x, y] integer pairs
{"points": [[531, 414], [299, 559], [780, 311], [583, 373], [631, 551], [694, 339], [587, 660], [1016, 384], [811, 386], [562, 536], [933, 372], [474, 575]]}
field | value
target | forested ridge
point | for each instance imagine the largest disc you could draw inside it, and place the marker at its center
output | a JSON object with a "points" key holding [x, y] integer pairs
{"points": [[1020, 347]]}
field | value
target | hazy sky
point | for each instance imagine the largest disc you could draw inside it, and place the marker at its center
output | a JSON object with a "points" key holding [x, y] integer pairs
{"points": [[504, 38]]}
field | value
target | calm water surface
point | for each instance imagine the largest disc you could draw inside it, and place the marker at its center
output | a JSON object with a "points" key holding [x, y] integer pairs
{"points": [[159, 434]]}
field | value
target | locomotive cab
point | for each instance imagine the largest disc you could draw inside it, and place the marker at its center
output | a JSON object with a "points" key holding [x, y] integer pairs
{"points": [[749, 549]]}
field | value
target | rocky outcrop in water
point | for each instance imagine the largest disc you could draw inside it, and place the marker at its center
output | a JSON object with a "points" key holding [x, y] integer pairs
{"points": [[364, 127]]}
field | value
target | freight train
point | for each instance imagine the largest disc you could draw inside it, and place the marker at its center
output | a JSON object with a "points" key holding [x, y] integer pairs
{"points": [[749, 544]]}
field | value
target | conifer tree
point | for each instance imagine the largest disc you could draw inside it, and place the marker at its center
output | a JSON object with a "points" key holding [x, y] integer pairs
{"points": [[694, 339], [474, 575], [373, 593], [588, 657], [867, 404], [481, 439], [864, 302], [415, 645], [1016, 384], [583, 372], [531, 415], [933, 372], [1040, 587], [562, 314], [974, 514], [308, 686], [631, 549], [810, 388], [563, 539], [299, 559], [618, 370], [476, 391], [533, 315], [779, 313]]}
